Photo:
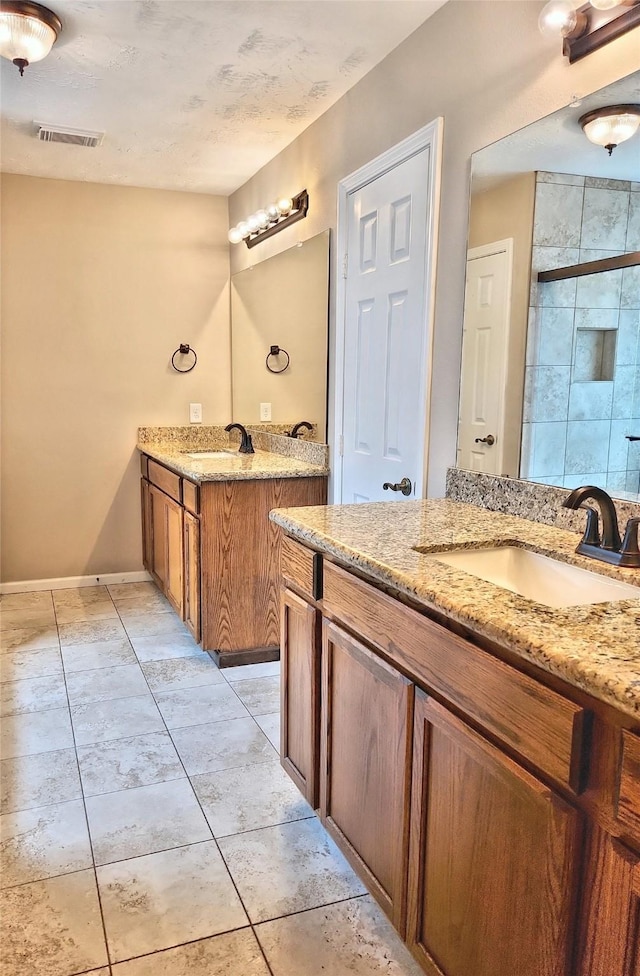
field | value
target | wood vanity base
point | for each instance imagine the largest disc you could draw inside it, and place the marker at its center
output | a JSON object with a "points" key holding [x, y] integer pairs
{"points": [[491, 809], [213, 552]]}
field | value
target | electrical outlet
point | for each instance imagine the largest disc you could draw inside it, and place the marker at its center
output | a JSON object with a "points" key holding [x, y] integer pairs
{"points": [[195, 413], [265, 411]]}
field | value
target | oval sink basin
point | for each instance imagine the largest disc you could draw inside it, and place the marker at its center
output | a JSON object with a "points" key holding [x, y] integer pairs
{"points": [[208, 455], [537, 577]]}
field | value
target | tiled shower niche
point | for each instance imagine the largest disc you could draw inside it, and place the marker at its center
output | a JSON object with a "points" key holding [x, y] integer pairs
{"points": [[582, 377]]}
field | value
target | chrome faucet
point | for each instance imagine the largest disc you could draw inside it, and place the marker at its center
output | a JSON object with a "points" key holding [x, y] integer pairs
{"points": [[611, 548], [295, 430], [246, 445]]}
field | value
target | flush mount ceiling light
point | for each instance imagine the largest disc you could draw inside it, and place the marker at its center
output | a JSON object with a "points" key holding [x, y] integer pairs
{"points": [[588, 27], [610, 126], [269, 220], [28, 31]]}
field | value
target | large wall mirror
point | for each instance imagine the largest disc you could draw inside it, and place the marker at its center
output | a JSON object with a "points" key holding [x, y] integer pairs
{"points": [[550, 384], [282, 302]]}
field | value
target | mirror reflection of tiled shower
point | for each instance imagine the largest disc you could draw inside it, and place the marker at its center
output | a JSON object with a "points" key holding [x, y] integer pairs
{"points": [[582, 378]]}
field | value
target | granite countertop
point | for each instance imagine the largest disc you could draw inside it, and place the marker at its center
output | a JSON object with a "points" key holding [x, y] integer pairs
{"points": [[596, 648], [232, 467]]}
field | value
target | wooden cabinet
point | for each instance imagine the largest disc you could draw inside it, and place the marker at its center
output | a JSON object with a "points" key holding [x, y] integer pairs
{"points": [[495, 858], [493, 811], [166, 519], [147, 522], [610, 939], [192, 573], [367, 710], [215, 555], [300, 714]]}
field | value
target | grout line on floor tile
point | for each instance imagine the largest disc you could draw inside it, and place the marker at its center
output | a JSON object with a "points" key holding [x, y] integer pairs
{"points": [[86, 817]]}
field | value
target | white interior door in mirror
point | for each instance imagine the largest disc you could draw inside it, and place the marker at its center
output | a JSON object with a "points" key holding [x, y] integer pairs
{"points": [[481, 419], [385, 350]]}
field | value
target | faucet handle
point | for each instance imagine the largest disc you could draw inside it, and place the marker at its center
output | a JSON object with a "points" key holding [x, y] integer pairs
{"points": [[591, 535], [630, 551]]}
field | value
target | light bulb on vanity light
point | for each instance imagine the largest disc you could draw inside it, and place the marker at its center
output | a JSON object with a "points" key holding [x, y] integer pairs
{"points": [[235, 235], [273, 212], [284, 205], [263, 219], [557, 17], [254, 223], [604, 4], [244, 229]]}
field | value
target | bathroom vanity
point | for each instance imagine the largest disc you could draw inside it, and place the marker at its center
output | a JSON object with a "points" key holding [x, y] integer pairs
{"points": [[475, 754], [208, 542]]}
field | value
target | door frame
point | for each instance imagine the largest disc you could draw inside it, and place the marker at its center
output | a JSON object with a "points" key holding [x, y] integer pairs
{"points": [[473, 253], [428, 137]]}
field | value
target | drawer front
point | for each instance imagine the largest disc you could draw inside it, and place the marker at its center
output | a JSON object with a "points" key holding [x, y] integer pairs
{"points": [[301, 568], [629, 790], [191, 496], [540, 725], [165, 480], [144, 465]]}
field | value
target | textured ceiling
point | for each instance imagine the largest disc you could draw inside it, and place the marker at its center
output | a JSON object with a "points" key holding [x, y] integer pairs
{"points": [[193, 94], [557, 144]]}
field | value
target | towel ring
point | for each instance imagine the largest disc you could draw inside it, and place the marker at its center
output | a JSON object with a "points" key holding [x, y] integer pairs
{"points": [[184, 349], [275, 351]]}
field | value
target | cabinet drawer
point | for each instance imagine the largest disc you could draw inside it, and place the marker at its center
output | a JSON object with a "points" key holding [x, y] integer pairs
{"points": [[302, 568], [165, 480], [191, 496], [540, 725], [629, 791]]}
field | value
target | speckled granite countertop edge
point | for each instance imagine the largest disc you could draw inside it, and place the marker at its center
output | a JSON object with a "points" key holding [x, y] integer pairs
{"points": [[260, 466], [595, 648]]}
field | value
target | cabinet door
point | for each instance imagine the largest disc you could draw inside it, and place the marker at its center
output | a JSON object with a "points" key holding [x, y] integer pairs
{"points": [[610, 941], [147, 526], [174, 582], [494, 861], [166, 521], [192, 574], [367, 710], [300, 728], [158, 544]]}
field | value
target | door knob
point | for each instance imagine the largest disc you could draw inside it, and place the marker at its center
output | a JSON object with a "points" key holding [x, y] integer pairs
{"points": [[404, 486], [489, 439]]}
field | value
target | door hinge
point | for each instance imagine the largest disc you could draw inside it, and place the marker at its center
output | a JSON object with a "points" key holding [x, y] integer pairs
{"points": [[345, 263]]}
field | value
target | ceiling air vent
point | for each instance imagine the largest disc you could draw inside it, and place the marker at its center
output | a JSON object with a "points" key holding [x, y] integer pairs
{"points": [[73, 137]]}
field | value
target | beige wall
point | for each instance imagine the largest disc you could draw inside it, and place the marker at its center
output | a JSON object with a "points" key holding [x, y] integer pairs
{"points": [[99, 285], [506, 211], [486, 68]]}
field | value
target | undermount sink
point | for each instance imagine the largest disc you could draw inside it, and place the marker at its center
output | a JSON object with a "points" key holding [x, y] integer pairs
{"points": [[208, 455], [537, 577]]}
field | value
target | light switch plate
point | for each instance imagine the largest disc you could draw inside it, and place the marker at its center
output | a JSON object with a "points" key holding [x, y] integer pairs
{"points": [[195, 413], [265, 411]]}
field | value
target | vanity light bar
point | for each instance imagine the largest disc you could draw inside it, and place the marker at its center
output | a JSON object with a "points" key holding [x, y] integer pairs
{"points": [[268, 221]]}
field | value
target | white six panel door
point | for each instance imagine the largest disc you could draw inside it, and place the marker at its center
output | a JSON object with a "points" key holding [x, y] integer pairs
{"points": [[484, 359], [385, 332]]}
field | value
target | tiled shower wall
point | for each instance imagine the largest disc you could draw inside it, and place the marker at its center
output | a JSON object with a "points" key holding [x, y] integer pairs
{"points": [[574, 425]]}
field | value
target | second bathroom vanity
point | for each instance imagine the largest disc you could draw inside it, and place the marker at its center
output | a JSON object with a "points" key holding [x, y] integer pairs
{"points": [[207, 538], [475, 753]]}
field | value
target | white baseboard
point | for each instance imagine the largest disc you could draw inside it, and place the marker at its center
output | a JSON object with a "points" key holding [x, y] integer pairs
{"points": [[64, 582]]}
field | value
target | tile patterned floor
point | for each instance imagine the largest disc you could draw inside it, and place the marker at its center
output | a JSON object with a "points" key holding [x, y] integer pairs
{"points": [[146, 826]]}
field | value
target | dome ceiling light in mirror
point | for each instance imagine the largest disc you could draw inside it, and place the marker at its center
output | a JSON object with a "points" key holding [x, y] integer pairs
{"points": [[193, 95], [557, 144]]}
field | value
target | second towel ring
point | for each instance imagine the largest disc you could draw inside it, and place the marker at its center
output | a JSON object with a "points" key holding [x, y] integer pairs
{"points": [[184, 350], [275, 351]]}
